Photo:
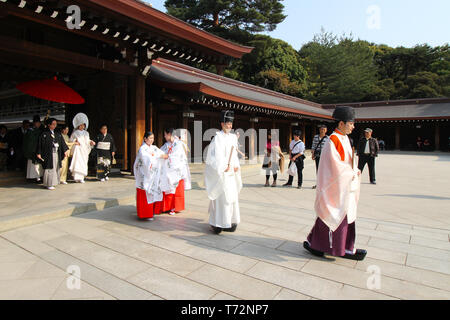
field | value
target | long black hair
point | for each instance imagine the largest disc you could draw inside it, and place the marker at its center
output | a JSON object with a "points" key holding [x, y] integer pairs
{"points": [[170, 131], [147, 134]]}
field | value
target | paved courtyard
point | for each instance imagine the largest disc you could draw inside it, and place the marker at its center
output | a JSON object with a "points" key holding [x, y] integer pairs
{"points": [[404, 223]]}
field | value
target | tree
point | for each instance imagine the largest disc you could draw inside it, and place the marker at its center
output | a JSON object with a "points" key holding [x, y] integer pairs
{"points": [[231, 19], [278, 81], [424, 85], [339, 69]]}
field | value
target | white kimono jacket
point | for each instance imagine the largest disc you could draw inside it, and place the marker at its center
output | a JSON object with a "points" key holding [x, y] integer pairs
{"points": [[79, 164], [147, 171], [338, 183], [223, 187], [176, 167]]}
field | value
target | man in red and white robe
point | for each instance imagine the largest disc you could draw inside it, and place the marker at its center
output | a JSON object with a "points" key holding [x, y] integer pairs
{"points": [[176, 178], [338, 186]]}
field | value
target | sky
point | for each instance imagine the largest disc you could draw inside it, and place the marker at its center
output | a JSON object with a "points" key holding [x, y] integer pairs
{"points": [[391, 22]]}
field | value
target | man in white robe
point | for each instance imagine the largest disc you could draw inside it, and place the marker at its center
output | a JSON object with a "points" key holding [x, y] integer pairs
{"points": [[337, 194], [223, 177], [82, 147]]}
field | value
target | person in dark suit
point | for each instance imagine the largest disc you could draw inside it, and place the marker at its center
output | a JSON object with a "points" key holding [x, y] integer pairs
{"points": [[16, 147], [4, 148], [51, 150], [367, 151]]}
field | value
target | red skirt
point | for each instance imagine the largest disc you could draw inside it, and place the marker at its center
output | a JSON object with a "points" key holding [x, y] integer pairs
{"points": [[174, 201], [144, 209]]}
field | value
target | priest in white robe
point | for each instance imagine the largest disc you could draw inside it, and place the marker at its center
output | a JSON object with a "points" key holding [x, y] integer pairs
{"points": [[337, 194], [176, 176], [147, 171], [223, 177], [81, 149]]}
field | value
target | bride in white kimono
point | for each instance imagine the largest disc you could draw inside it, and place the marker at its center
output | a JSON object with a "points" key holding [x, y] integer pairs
{"points": [[82, 147], [223, 177]]}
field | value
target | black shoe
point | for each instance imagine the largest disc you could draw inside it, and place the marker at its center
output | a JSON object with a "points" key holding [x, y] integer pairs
{"points": [[359, 255], [299, 187], [373, 182], [232, 229], [287, 184], [314, 252], [216, 230], [314, 187]]}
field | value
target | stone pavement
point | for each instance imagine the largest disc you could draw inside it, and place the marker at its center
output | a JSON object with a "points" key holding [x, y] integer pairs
{"points": [[404, 223]]}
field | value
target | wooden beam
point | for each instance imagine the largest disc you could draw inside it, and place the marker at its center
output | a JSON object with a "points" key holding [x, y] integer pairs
{"points": [[61, 25], [22, 47]]}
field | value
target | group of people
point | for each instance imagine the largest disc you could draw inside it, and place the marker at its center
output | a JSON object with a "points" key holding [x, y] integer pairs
{"points": [[338, 182], [46, 150], [367, 150], [423, 145], [162, 176]]}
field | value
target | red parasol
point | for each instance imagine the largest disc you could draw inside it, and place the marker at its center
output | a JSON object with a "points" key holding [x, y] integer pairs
{"points": [[51, 89]]}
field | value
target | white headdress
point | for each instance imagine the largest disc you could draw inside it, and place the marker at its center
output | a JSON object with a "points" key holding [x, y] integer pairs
{"points": [[79, 119]]}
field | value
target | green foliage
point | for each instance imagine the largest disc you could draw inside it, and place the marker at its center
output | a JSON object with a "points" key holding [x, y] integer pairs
{"points": [[328, 69], [339, 69], [278, 81], [231, 19], [347, 70]]}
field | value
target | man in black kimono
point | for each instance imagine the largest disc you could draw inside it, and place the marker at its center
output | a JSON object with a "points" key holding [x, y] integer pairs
{"points": [[106, 149], [51, 150], [16, 146]]}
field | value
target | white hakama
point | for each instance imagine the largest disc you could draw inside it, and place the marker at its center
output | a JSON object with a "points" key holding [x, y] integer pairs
{"points": [[34, 170], [223, 187], [52, 176]]}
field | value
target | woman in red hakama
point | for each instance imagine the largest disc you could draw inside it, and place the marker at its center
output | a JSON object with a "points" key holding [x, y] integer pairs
{"points": [[147, 171], [177, 177], [144, 209], [174, 202]]}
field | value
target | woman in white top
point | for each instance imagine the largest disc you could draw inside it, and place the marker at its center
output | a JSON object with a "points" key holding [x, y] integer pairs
{"points": [[147, 171], [296, 155], [81, 149]]}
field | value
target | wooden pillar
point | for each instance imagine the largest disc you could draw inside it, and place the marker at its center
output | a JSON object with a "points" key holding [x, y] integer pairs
{"points": [[251, 151], [185, 119], [289, 138], [303, 131], [314, 129], [121, 107], [436, 137], [397, 138], [150, 116], [137, 114]]}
